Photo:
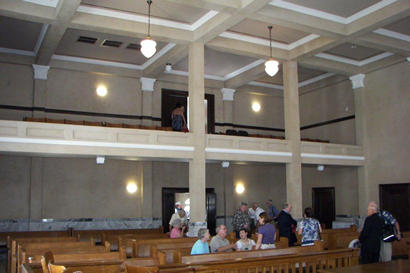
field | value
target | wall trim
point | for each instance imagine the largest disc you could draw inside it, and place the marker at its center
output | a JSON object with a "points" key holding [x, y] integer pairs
{"points": [[327, 122], [328, 156], [249, 152]]}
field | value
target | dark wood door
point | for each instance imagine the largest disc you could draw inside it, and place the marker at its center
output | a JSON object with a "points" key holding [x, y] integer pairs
{"points": [[171, 97], [395, 198], [168, 206], [324, 205]]}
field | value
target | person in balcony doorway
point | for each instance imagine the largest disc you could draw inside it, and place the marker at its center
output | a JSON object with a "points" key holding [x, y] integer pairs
{"points": [[178, 120]]}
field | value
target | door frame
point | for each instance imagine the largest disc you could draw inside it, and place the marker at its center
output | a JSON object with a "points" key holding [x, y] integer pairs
{"points": [[333, 198]]}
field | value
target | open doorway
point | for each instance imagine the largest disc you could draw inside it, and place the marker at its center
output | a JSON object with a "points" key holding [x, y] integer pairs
{"points": [[171, 195], [324, 205]]}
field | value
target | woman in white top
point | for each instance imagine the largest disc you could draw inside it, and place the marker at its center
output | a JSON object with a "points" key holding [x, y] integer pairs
{"points": [[244, 243]]}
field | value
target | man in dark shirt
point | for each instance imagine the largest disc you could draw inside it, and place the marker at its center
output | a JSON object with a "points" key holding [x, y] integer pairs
{"points": [[287, 224], [241, 219], [370, 236]]}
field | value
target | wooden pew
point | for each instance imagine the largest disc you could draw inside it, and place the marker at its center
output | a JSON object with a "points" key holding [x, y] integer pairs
{"points": [[170, 252], [293, 263], [31, 252], [400, 247], [12, 251], [109, 262], [224, 256], [142, 248]]}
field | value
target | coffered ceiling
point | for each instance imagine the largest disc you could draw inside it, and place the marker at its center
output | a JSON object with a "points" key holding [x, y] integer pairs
{"points": [[326, 37]]}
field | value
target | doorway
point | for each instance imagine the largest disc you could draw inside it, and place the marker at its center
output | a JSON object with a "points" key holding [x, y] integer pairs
{"points": [[395, 198], [324, 205], [172, 195]]}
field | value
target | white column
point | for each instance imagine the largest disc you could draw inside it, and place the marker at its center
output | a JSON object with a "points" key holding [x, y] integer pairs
{"points": [[40, 88], [196, 90], [227, 97], [361, 137], [292, 133], [147, 87]]}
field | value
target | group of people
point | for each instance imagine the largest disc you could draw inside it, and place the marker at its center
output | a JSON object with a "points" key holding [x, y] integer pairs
{"points": [[263, 224], [256, 220]]}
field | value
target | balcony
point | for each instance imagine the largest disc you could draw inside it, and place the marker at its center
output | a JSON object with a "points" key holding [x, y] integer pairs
{"points": [[50, 139]]}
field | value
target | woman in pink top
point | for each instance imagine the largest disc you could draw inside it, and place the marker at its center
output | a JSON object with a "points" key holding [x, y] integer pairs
{"points": [[177, 231]]}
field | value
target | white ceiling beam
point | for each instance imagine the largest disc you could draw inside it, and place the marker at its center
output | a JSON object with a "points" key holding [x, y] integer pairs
{"points": [[382, 42], [56, 30], [331, 66], [27, 11]]}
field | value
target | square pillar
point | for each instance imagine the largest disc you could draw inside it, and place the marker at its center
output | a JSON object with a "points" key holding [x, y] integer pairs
{"points": [[40, 89], [197, 184], [292, 134]]}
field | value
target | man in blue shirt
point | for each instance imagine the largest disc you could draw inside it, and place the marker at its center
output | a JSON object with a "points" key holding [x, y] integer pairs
{"points": [[272, 211]]}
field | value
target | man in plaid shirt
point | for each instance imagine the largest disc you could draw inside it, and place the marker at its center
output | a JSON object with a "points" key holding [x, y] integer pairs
{"points": [[241, 219]]}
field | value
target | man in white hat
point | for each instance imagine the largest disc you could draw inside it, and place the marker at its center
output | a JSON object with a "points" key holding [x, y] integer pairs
{"points": [[179, 214]]}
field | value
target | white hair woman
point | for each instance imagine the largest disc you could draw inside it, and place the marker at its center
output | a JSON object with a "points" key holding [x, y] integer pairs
{"points": [[201, 246]]}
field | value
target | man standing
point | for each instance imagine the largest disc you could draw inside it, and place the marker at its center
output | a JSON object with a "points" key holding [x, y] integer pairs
{"points": [[241, 219], [370, 236], [386, 247], [286, 224], [219, 243], [254, 212], [272, 211]]}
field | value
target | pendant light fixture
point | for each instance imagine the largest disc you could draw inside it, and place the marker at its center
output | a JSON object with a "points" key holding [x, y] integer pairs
{"points": [[271, 66], [148, 46]]}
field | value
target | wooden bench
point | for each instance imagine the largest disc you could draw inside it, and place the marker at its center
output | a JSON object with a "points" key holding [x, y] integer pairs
{"points": [[142, 248], [12, 251], [109, 262], [225, 256], [291, 263], [32, 252]]}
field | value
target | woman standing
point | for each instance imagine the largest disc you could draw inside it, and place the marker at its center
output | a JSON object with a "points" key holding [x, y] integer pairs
{"points": [[309, 228], [178, 118], [266, 233]]}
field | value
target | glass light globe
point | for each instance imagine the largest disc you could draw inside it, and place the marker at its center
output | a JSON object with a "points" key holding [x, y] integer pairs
{"points": [[239, 188], [101, 91], [148, 47], [271, 67], [131, 187]]}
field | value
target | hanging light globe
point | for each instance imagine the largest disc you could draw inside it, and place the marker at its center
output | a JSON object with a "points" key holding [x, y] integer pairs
{"points": [[271, 67], [148, 47]]}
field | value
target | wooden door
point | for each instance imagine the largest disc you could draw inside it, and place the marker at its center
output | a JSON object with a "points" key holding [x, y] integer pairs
{"points": [[324, 205], [395, 198]]}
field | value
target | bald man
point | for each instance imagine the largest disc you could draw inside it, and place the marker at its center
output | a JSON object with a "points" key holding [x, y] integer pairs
{"points": [[370, 236]]}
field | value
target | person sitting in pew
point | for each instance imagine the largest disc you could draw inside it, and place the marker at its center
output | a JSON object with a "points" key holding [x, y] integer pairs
{"points": [[266, 233], [309, 228], [244, 243], [219, 243], [177, 230], [201, 246]]}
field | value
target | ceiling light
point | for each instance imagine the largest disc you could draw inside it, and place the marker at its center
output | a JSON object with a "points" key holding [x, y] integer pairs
{"points": [[256, 107], [101, 91], [148, 46], [168, 67], [271, 66], [320, 168], [100, 159], [131, 187]]}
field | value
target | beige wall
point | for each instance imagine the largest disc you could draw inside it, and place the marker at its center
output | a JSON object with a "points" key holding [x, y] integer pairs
{"points": [[343, 179], [387, 100], [327, 103]]}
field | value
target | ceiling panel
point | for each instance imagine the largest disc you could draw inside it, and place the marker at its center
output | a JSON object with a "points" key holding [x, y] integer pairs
{"points": [[402, 26], [303, 75], [260, 29], [218, 63], [160, 9], [354, 52], [344, 8], [19, 34], [69, 46]]}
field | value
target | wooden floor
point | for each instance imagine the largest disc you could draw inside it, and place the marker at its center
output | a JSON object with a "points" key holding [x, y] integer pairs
{"points": [[396, 266]]}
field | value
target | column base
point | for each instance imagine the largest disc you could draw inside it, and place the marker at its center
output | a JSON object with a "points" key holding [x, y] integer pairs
{"points": [[194, 227]]}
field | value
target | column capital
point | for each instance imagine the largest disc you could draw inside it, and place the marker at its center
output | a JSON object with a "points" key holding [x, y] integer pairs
{"points": [[357, 81], [147, 84], [40, 71], [227, 93]]}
